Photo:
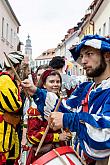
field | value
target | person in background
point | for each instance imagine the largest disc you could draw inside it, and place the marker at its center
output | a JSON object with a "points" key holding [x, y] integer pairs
{"points": [[28, 102], [68, 84], [28, 105], [40, 70], [51, 81], [10, 110]]}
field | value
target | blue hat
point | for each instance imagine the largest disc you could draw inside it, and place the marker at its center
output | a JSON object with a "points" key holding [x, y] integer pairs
{"points": [[94, 41]]}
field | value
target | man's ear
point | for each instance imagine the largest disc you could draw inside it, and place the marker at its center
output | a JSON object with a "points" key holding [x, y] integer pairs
{"points": [[107, 56]]}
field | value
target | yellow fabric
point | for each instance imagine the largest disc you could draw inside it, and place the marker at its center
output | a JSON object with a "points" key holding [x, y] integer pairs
{"points": [[9, 94], [35, 139], [56, 137], [9, 102], [5, 137]]}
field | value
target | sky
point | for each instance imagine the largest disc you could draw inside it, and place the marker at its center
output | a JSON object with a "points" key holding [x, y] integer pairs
{"points": [[47, 21]]}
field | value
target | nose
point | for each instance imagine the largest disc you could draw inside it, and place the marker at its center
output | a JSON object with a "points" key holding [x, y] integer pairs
{"points": [[84, 60], [56, 84]]}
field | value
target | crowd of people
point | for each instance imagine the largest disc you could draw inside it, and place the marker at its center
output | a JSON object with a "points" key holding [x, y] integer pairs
{"points": [[27, 106]]}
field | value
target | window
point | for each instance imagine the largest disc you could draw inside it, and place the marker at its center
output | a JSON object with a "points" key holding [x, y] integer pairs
{"points": [[104, 29], [7, 32], [11, 35], [109, 27], [14, 38], [100, 31], [2, 27]]}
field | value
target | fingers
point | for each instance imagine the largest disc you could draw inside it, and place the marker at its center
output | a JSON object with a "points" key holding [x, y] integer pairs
{"points": [[26, 84], [64, 137]]}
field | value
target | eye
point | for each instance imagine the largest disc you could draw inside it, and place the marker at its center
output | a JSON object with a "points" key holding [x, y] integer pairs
{"points": [[81, 56], [89, 53], [51, 81], [39, 75], [58, 82]]}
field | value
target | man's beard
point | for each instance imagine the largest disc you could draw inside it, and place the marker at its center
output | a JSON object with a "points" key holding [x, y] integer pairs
{"points": [[98, 70]]}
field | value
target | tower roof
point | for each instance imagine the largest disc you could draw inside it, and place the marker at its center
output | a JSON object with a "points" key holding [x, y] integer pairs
{"points": [[28, 42]]}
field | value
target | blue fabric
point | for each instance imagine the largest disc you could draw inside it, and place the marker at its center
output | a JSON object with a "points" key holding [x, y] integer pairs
{"points": [[92, 128], [105, 45], [98, 118], [40, 93]]}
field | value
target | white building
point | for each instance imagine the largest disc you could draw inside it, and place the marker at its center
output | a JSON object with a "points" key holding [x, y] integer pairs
{"points": [[9, 28], [101, 18], [63, 50], [45, 57]]}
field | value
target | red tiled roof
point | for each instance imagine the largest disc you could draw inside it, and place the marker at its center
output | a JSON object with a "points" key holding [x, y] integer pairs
{"points": [[49, 54]]}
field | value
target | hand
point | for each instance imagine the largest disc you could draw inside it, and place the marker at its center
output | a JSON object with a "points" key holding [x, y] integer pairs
{"points": [[65, 136], [29, 87], [56, 120]]}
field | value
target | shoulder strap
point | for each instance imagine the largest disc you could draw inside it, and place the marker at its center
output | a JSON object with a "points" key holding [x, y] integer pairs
{"points": [[85, 101]]}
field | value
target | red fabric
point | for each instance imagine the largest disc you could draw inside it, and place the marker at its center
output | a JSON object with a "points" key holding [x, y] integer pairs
{"points": [[33, 111], [2, 159], [36, 126], [31, 157], [85, 101], [1, 118]]}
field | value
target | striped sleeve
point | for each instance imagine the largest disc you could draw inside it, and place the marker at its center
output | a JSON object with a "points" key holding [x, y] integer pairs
{"points": [[36, 129], [45, 101], [93, 130]]}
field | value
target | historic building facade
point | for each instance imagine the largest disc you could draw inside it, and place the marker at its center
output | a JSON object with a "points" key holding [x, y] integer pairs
{"points": [[45, 57], [9, 29]]}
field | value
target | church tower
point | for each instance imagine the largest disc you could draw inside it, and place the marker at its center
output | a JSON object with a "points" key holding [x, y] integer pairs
{"points": [[28, 47], [28, 50]]}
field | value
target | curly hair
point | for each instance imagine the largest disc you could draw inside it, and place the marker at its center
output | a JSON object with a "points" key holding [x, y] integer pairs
{"points": [[57, 62]]}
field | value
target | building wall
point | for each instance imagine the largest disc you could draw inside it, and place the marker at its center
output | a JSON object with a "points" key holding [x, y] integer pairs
{"points": [[8, 30], [87, 29], [102, 19], [41, 62]]}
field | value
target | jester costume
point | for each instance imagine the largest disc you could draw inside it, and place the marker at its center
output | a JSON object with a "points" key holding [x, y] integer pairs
{"points": [[10, 103]]}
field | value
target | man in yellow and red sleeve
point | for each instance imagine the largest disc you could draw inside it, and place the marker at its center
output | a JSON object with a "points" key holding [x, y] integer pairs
{"points": [[10, 104]]}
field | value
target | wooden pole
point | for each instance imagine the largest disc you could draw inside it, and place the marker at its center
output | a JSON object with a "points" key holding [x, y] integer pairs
{"points": [[16, 74], [13, 69], [59, 156], [47, 128]]}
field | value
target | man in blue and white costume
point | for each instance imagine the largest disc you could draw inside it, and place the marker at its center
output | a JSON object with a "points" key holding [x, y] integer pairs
{"points": [[93, 126]]}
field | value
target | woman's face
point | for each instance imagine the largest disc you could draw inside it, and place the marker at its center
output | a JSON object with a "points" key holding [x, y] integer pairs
{"points": [[53, 84]]}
